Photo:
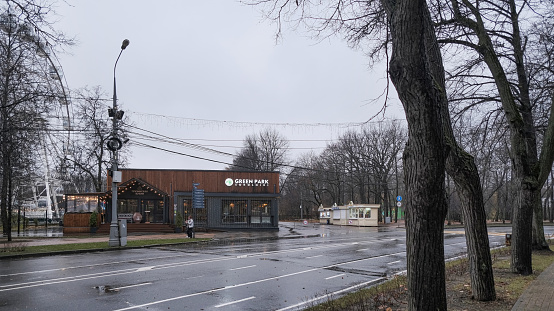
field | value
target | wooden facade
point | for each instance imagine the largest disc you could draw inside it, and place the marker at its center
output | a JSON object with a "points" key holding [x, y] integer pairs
{"points": [[78, 222], [170, 181], [232, 199]]}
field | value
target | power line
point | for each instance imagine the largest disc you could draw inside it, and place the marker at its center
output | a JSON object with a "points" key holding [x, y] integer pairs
{"points": [[242, 124]]}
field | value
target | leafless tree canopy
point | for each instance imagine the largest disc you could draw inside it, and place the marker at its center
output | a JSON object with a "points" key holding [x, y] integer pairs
{"points": [[265, 151], [30, 91]]}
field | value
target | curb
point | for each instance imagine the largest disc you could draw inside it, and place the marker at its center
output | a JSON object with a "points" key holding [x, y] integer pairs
{"points": [[81, 251]]}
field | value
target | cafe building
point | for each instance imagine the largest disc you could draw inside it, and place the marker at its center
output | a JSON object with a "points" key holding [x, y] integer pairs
{"points": [[216, 199]]}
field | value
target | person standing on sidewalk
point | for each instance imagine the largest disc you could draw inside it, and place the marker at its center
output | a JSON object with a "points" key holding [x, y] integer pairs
{"points": [[190, 227]]}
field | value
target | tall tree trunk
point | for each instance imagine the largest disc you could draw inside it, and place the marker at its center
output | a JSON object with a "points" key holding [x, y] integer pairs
{"points": [[3, 203], [539, 241], [10, 201], [5, 159], [521, 231], [424, 155], [523, 211], [529, 170], [461, 167]]}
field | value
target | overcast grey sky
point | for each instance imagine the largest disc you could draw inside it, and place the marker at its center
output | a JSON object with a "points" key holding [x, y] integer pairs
{"points": [[217, 60]]}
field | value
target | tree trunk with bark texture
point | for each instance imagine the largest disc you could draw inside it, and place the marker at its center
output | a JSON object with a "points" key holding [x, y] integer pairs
{"points": [[424, 155], [461, 166]]}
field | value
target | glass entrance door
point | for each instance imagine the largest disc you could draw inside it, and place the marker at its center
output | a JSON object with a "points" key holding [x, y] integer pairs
{"points": [[153, 211]]}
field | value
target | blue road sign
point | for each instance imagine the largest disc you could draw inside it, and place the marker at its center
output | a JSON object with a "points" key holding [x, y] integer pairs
{"points": [[197, 196], [398, 198]]}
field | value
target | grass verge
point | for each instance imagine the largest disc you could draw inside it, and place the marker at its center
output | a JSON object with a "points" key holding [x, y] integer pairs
{"points": [[20, 248], [392, 294]]}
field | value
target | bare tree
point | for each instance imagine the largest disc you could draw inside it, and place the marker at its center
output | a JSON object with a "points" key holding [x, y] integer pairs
{"points": [[88, 159], [308, 174], [369, 158], [374, 20], [26, 92], [500, 47], [265, 151]]}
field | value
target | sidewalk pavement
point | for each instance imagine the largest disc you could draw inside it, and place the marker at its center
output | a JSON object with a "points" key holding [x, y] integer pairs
{"points": [[31, 241], [539, 295]]}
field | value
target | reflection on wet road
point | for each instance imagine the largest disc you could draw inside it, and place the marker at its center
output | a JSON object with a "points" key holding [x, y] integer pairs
{"points": [[285, 270]]}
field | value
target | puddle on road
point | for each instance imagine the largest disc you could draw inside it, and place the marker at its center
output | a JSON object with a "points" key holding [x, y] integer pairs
{"points": [[270, 259], [106, 289]]}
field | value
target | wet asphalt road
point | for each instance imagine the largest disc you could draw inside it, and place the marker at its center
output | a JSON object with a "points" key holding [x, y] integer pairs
{"points": [[288, 270]]}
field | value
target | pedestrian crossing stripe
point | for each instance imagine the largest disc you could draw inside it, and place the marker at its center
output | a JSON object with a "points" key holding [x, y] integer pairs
{"points": [[463, 232]]}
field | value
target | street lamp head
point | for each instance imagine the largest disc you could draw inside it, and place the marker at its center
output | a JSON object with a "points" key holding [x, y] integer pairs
{"points": [[125, 44]]}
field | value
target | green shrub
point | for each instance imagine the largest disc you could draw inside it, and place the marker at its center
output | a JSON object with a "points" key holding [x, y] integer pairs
{"points": [[93, 221], [178, 220]]}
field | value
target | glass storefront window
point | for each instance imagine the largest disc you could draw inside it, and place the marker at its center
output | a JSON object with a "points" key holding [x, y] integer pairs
{"points": [[127, 206], [233, 211], [261, 212], [199, 215], [356, 213], [153, 211], [325, 214], [82, 204]]}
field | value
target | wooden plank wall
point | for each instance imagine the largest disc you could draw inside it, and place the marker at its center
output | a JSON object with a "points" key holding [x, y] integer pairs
{"points": [[77, 222], [171, 181]]}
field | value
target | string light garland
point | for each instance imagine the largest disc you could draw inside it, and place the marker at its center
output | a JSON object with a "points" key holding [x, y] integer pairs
{"points": [[195, 122]]}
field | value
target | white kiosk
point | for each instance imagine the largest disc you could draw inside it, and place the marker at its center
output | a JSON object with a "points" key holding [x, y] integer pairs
{"points": [[364, 215], [324, 215]]}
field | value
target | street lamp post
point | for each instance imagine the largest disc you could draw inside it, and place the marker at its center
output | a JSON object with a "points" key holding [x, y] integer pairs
{"points": [[114, 144]]}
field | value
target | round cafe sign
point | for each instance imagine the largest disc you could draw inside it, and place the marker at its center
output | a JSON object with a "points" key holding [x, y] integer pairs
{"points": [[229, 182]]}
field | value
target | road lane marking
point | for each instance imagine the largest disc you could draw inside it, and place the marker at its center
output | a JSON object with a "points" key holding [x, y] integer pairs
{"points": [[218, 289], [242, 268], [38, 283], [96, 265], [194, 277], [499, 234], [454, 232], [364, 284], [145, 269], [130, 286], [335, 276], [459, 243], [314, 256], [256, 282], [361, 250], [233, 302], [393, 262]]}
